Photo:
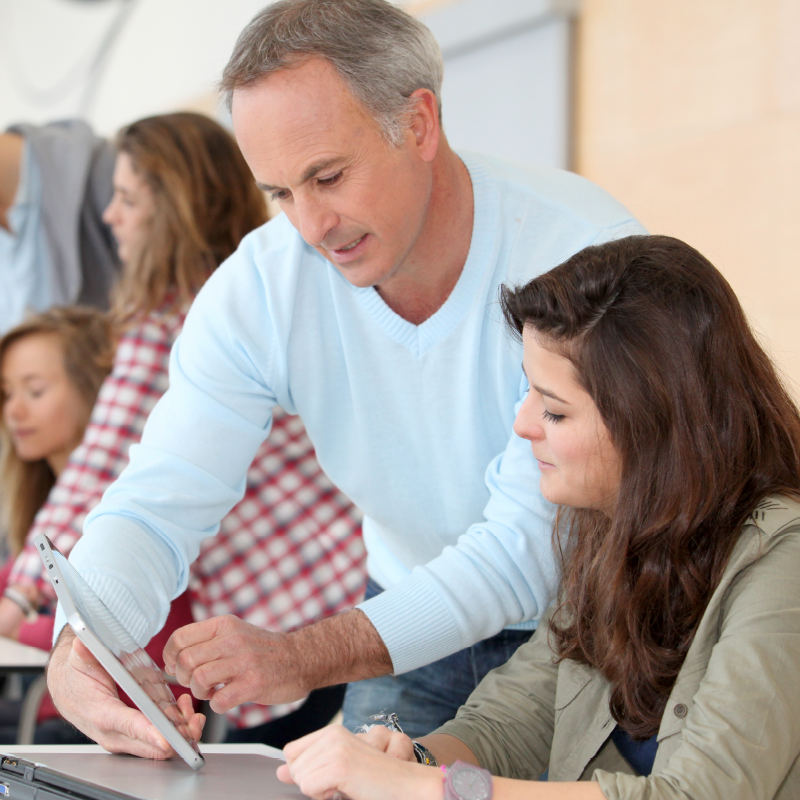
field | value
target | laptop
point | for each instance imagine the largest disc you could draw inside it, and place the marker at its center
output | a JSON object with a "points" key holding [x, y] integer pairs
{"points": [[88, 773]]}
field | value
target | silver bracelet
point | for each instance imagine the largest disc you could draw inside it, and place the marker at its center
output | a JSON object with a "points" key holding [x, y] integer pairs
{"points": [[31, 615]]}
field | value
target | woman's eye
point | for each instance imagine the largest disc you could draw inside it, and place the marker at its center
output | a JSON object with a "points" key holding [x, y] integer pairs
{"points": [[330, 181], [550, 417]]}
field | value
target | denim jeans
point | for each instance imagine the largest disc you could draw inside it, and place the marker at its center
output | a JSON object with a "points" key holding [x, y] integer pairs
{"points": [[426, 698]]}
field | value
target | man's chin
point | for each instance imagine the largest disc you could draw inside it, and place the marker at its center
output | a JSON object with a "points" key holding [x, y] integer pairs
{"points": [[360, 275]]}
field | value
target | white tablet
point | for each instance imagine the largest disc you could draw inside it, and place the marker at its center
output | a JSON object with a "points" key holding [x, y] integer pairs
{"points": [[127, 663]]}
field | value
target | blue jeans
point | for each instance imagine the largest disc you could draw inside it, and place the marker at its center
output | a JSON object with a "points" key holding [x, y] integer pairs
{"points": [[426, 698]]}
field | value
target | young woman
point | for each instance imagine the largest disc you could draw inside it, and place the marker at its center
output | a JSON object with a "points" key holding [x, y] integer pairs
{"points": [[668, 667], [51, 369], [291, 549]]}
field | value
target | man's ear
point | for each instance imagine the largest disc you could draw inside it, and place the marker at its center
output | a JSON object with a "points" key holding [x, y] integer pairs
{"points": [[424, 124]]}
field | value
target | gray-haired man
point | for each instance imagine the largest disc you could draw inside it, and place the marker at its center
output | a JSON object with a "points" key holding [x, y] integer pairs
{"points": [[364, 309]]}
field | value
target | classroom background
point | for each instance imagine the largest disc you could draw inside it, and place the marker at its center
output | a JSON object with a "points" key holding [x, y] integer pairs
{"points": [[688, 111]]}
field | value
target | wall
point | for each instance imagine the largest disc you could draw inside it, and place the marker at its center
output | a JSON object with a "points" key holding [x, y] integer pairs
{"points": [[688, 111], [507, 77], [169, 54]]}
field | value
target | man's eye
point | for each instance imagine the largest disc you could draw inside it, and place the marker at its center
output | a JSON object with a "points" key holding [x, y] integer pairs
{"points": [[334, 179], [279, 195]]}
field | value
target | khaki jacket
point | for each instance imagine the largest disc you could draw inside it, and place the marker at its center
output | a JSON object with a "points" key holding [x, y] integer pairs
{"points": [[731, 727]]}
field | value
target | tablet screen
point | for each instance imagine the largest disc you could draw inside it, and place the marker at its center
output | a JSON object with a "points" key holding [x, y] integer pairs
{"points": [[107, 628]]}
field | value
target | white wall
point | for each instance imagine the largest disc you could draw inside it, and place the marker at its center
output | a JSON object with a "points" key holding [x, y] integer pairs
{"points": [[170, 53], [507, 85], [507, 63]]}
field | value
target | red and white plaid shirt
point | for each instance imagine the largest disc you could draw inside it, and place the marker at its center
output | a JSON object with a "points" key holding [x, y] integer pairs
{"points": [[289, 552]]}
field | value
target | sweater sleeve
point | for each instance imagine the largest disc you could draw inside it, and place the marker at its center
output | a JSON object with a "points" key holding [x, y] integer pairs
{"points": [[138, 379], [741, 735], [190, 468], [507, 560]]}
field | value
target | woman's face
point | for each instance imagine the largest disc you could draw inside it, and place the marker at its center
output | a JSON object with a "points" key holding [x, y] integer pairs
{"points": [[42, 410], [578, 463], [131, 209]]}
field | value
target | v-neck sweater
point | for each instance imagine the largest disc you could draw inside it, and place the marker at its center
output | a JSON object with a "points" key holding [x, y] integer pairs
{"points": [[412, 422]]}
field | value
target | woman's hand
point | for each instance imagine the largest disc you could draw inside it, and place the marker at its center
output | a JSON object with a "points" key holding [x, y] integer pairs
{"points": [[11, 615], [332, 762], [394, 744]]}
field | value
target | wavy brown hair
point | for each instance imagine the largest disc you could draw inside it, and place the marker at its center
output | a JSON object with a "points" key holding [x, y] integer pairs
{"points": [[87, 343], [704, 429], [205, 200]]}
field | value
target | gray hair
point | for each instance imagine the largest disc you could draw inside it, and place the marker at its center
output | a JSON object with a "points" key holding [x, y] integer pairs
{"points": [[381, 53]]}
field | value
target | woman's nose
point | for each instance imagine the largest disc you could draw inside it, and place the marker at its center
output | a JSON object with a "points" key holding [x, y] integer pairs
{"points": [[109, 213], [13, 408], [528, 425]]}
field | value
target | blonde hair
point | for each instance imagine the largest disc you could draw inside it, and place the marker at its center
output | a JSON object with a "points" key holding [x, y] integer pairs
{"points": [[205, 201], [87, 342]]}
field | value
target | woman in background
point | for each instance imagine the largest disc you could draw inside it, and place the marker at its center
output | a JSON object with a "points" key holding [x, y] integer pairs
{"points": [[51, 368], [668, 668], [291, 550]]}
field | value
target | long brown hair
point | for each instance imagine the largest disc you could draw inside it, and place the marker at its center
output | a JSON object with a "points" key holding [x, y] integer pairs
{"points": [[87, 344], [205, 199], [704, 429]]}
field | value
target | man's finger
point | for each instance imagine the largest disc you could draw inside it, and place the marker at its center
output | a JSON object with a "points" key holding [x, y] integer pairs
{"points": [[189, 636], [84, 655], [201, 656]]}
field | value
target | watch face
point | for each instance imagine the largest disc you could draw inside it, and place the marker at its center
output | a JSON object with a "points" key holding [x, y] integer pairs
{"points": [[470, 783]]}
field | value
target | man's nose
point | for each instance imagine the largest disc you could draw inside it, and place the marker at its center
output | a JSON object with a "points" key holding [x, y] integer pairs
{"points": [[314, 220]]}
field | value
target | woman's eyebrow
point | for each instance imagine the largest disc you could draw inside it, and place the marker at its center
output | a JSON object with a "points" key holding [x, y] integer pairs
{"points": [[551, 394], [546, 392]]}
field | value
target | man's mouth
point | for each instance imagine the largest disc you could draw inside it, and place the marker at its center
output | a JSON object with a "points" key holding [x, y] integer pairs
{"points": [[351, 245]]}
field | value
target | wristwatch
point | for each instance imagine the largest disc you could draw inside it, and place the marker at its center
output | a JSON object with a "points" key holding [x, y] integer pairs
{"points": [[467, 782]]}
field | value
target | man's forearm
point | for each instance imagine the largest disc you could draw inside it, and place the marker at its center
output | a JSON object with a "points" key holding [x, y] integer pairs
{"points": [[340, 649]]}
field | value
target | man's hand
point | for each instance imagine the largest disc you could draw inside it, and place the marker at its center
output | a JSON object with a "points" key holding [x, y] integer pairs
{"points": [[230, 661], [87, 697]]}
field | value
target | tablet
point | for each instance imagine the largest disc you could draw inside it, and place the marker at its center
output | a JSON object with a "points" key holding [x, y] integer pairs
{"points": [[127, 663]]}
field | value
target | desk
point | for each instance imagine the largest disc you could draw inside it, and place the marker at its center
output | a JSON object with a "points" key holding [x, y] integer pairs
{"points": [[239, 771], [14, 659]]}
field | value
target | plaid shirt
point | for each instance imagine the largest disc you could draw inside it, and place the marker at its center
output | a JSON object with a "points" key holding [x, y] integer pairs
{"points": [[288, 553]]}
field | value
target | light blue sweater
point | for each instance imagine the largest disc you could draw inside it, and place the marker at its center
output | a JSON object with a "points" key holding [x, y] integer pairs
{"points": [[414, 423]]}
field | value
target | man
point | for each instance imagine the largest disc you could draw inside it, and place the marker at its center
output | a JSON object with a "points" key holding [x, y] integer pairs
{"points": [[363, 308]]}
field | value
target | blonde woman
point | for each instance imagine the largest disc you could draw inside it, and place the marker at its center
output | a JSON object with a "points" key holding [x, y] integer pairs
{"points": [[291, 550], [51, 368]]}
